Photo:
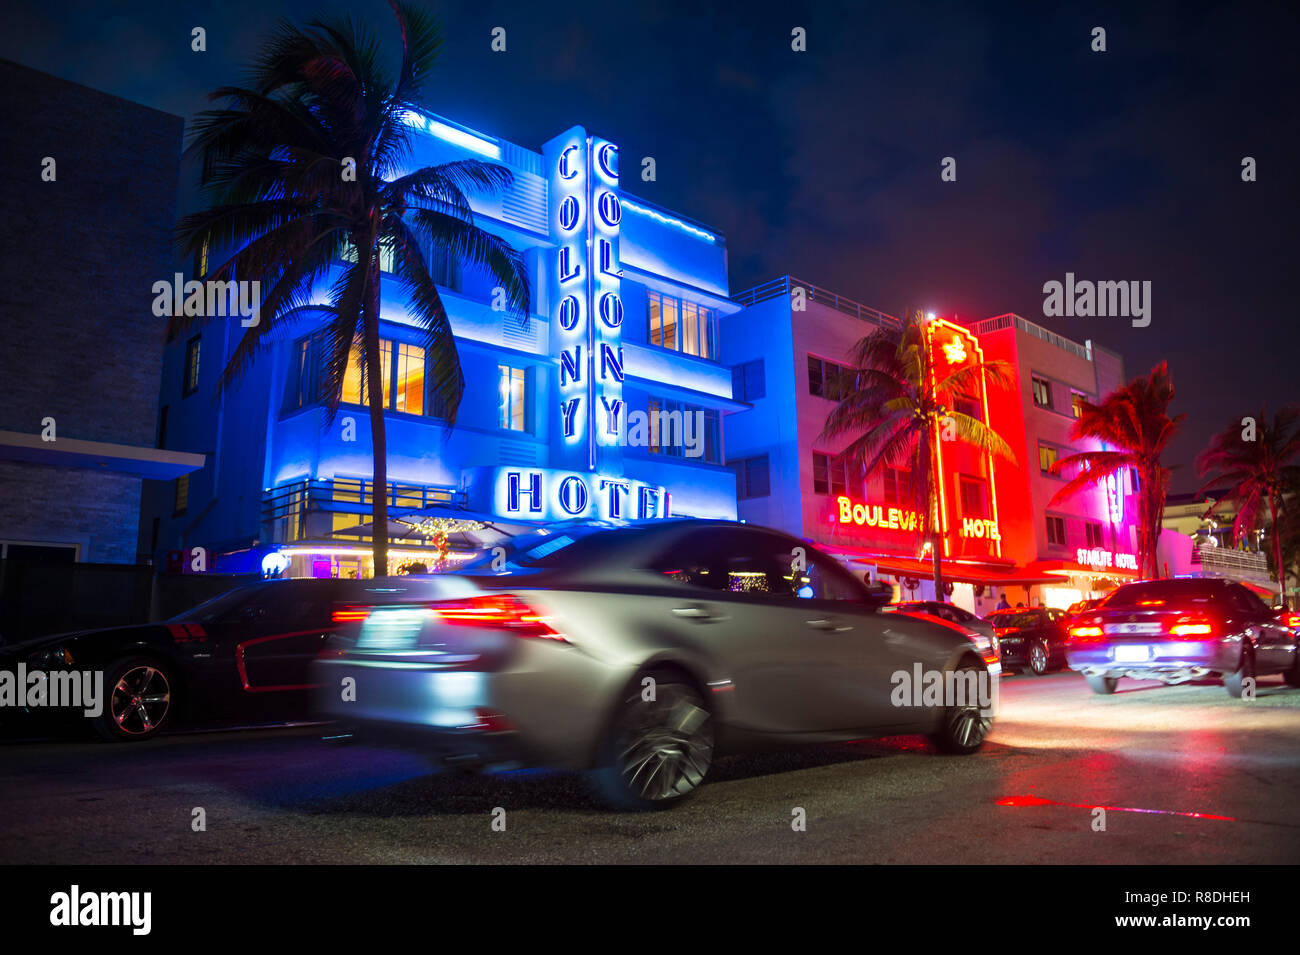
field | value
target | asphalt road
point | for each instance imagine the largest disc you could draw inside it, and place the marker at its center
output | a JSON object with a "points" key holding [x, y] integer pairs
{"points": [[1155, 756]]}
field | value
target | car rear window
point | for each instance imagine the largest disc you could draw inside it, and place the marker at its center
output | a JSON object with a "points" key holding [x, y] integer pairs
{"points": [[1154, 594]]}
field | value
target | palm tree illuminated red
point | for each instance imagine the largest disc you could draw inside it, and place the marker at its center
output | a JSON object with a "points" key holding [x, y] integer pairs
{"points": [[1134, 421]]}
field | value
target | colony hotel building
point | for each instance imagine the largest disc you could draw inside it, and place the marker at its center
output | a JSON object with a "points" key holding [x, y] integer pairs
{"points": [[627, 304], [1000, 531]]}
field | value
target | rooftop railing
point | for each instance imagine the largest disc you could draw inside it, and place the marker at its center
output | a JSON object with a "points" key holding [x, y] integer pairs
{"points": [[1029, 328], [786, 283]]}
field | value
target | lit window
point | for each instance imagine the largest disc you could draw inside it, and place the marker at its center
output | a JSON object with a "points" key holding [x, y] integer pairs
{"points": [[513, 398], [190, 380], [1077, 398], [682, 326], [1042, 392], [1047, 456], [410, 379], [181, 495], [668, 423]]}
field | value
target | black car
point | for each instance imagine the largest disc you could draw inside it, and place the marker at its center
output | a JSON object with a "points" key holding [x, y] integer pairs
{"points": [[1032, 640], [241, 655]]}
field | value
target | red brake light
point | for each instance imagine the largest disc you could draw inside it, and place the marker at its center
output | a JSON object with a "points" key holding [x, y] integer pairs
{"points": [[1187, 626], [497, 611], [1290, 619], [1086, 634], [350, 614]]}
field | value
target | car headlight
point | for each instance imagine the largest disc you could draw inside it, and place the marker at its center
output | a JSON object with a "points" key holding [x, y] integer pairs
{"points": [[50, 659]]}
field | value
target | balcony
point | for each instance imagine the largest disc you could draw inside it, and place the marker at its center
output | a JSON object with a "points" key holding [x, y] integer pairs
{"points": [[1226, 562], [782, 287]]}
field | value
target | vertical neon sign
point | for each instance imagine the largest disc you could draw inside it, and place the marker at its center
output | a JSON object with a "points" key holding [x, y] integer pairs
{"points": [[587, 301]]}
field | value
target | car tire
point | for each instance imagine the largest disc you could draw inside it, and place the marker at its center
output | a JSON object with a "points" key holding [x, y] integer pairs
{"points": [[139, 699], [1235, 682], [964, 728], [1039, 658], [1102, 685], [656, 753], [1292, 676]]}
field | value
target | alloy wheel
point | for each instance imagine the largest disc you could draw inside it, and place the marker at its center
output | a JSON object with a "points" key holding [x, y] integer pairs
{"points": [[140, 700], [1038, 660], [666, 746]]}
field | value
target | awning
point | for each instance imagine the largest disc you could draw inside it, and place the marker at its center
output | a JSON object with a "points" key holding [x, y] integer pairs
{"points": [[959, 571]]}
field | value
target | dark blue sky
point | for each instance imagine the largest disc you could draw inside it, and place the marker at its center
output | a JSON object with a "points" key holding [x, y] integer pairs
{"points": [[825, 164]]}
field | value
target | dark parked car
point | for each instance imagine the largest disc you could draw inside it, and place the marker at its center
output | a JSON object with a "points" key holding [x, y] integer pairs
{"points": [[1033, 639], [640, 652], [953, 614], [244, 653], [1185, 629]]}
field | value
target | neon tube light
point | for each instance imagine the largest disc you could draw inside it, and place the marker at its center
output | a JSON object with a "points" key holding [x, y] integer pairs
{"points": [[450, 134], [667, 220]]}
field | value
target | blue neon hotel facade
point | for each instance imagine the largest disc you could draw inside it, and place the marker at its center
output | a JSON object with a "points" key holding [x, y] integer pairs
{"points": [[628, 300]]}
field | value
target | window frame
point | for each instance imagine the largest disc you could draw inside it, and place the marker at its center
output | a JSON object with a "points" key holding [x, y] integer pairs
{"points": [[193, 365]]}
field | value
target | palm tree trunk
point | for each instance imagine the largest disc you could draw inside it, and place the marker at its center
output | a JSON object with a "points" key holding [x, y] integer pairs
{"points": [[1277, 549], [375, 396]]}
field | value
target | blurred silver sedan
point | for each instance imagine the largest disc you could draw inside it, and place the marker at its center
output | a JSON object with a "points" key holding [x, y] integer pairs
{"points": [[641, 652]]}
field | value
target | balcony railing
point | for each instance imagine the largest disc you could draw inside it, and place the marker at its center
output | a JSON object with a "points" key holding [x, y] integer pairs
{"points": [[783, 286], [1029, 328], [285, 508], [1229, 561]]}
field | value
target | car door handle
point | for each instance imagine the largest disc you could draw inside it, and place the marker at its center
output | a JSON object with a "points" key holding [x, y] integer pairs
{"points": [[694, 612], [823, 624]]}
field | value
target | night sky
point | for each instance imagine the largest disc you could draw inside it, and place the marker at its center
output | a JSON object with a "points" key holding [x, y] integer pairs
{"points": [[1123, 165]]}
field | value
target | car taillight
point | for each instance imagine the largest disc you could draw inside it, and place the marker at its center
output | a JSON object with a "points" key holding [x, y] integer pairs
{"points": [[497, 612], [1290, 619], [1190, 627], [1086, 634], [350, 614]]}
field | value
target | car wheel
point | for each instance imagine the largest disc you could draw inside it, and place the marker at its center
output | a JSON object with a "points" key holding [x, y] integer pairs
{"points": [[1103, 685], [1235, 683], [1292, 676], [1040, 657], [137, 700], [964, 727], [656, 752]]}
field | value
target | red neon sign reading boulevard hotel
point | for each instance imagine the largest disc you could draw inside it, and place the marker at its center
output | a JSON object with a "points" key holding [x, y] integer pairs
{"points": [[904, 519]]}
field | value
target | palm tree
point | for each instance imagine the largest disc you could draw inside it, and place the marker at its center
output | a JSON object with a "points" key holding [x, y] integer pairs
{"points": [[1135, 421], [897, 407], [1257, 472], [306, 171]]}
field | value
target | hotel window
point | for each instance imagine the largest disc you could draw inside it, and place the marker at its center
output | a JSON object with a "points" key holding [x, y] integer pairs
{"points": [[747, 381], [1056, 530], [973, 499], [828, 380], [969, 406], [513, 398], [162, 427], [667, 425], [753, 477], [896, 485], [1092, 531], [682, 326], [1042, 392], [1077, 398], [385, 255], [181, 495], [1047, 456], [190, 378], [1133, 479], [403, 369], [830, 474]]}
